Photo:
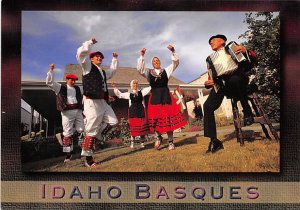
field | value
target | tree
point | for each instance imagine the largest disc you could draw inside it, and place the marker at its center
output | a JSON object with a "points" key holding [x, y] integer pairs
{"points": [[263, 37]]}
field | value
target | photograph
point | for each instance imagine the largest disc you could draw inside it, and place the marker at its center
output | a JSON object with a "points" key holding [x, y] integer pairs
{"points": [[147, 104], [168, 95]]}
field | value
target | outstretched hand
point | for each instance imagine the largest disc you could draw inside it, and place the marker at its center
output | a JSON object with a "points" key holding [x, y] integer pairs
{"points": [[51, 67], [94, 40], [143, 51], [113, 84], [114, 54], [171, 48]]}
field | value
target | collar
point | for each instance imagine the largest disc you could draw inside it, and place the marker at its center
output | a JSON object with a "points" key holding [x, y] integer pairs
{"points": [[154, 73], [97, 66], [68, 86], [221, 49], [136, 92]]}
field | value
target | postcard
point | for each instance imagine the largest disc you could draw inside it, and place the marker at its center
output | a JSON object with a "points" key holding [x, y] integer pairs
{"points": [[110, 105]]}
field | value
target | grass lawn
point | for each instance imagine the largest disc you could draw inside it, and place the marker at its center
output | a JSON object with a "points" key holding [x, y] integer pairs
{"points": [[189, 156], [258, 155]]}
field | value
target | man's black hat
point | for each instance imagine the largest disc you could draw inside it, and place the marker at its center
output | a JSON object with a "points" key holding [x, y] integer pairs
{"points": [[221, 36]]}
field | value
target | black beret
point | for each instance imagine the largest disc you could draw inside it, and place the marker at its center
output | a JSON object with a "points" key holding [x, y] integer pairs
{"points": [[218, 36]]}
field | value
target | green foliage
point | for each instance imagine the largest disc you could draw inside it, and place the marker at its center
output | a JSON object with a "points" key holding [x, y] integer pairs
{"points": [[124, 130], [112, 133], [263, 37], [121, 131]]}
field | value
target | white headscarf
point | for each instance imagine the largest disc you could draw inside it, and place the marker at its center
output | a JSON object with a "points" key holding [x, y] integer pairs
{"points": [[131, 86]]}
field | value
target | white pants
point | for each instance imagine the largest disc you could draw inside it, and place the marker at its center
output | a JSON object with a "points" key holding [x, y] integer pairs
{"points": [[72, 120], [98, 114]]}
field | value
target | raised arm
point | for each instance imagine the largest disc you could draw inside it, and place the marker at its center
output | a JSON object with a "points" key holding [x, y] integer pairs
{"points": [[82, 55], [50, 81], [175, 61], [146, 91], [118, 93], [113, 66], [141, 64]]}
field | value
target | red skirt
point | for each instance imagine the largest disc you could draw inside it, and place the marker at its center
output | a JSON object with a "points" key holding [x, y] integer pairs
{"points": [[138, 126], [165, 117]]}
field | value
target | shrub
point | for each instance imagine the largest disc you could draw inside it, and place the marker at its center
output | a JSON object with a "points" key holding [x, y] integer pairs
{"points": [[121, 131]]}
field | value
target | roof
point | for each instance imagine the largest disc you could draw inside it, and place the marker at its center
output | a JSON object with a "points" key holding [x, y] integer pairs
{"points": [[194, 80], [122, 76], [39, 96]]}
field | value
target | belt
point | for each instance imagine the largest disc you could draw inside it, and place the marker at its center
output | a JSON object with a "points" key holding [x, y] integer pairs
{"points": [[71, 106], [93, 98]]}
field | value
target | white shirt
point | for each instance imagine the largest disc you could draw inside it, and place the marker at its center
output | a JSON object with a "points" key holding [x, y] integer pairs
{"points": [[119, 94], [169, 70], [84, 61], [71, 91]]}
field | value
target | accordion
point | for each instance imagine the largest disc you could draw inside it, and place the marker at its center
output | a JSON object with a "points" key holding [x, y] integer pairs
{"points": [[225, 61]]}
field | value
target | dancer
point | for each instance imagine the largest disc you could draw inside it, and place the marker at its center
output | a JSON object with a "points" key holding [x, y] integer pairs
{"points": [[69, 103], [163, 113], [137, 115], [99, 115]]}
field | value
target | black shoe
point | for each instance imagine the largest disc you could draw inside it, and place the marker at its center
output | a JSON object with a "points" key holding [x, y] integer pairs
{"points": [[248, 120], [209, 147], [68, 158], [90, 162], [216, 146]]}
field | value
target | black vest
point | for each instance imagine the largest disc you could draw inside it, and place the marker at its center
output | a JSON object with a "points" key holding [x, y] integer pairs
{"points": [[61, 98], [93, 84], [136, 110], [159, 88]]}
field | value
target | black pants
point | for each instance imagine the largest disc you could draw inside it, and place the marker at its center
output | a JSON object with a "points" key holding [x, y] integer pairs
{"points": [[235, 87]]}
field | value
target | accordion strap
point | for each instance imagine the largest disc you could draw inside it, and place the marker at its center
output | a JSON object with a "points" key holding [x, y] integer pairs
{"points": [[215, 78], [211, 66]]}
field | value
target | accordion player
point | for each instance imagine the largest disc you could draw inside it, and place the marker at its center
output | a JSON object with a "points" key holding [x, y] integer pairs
{"points": [[225, 61]]}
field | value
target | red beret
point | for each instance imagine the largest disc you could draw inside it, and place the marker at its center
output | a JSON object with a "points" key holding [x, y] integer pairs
{"points": [[71, 76], [92, 54], [221, 36]]}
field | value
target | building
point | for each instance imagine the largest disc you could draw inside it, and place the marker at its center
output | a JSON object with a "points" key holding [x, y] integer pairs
{"points": [[42, 99]]}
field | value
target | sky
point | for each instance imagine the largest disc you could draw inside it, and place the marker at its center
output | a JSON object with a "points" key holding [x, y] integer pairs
{"points": [[54, 36]]}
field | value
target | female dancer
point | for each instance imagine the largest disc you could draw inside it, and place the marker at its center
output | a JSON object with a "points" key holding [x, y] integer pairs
{"points": [[163, 113], [137, 116]]}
